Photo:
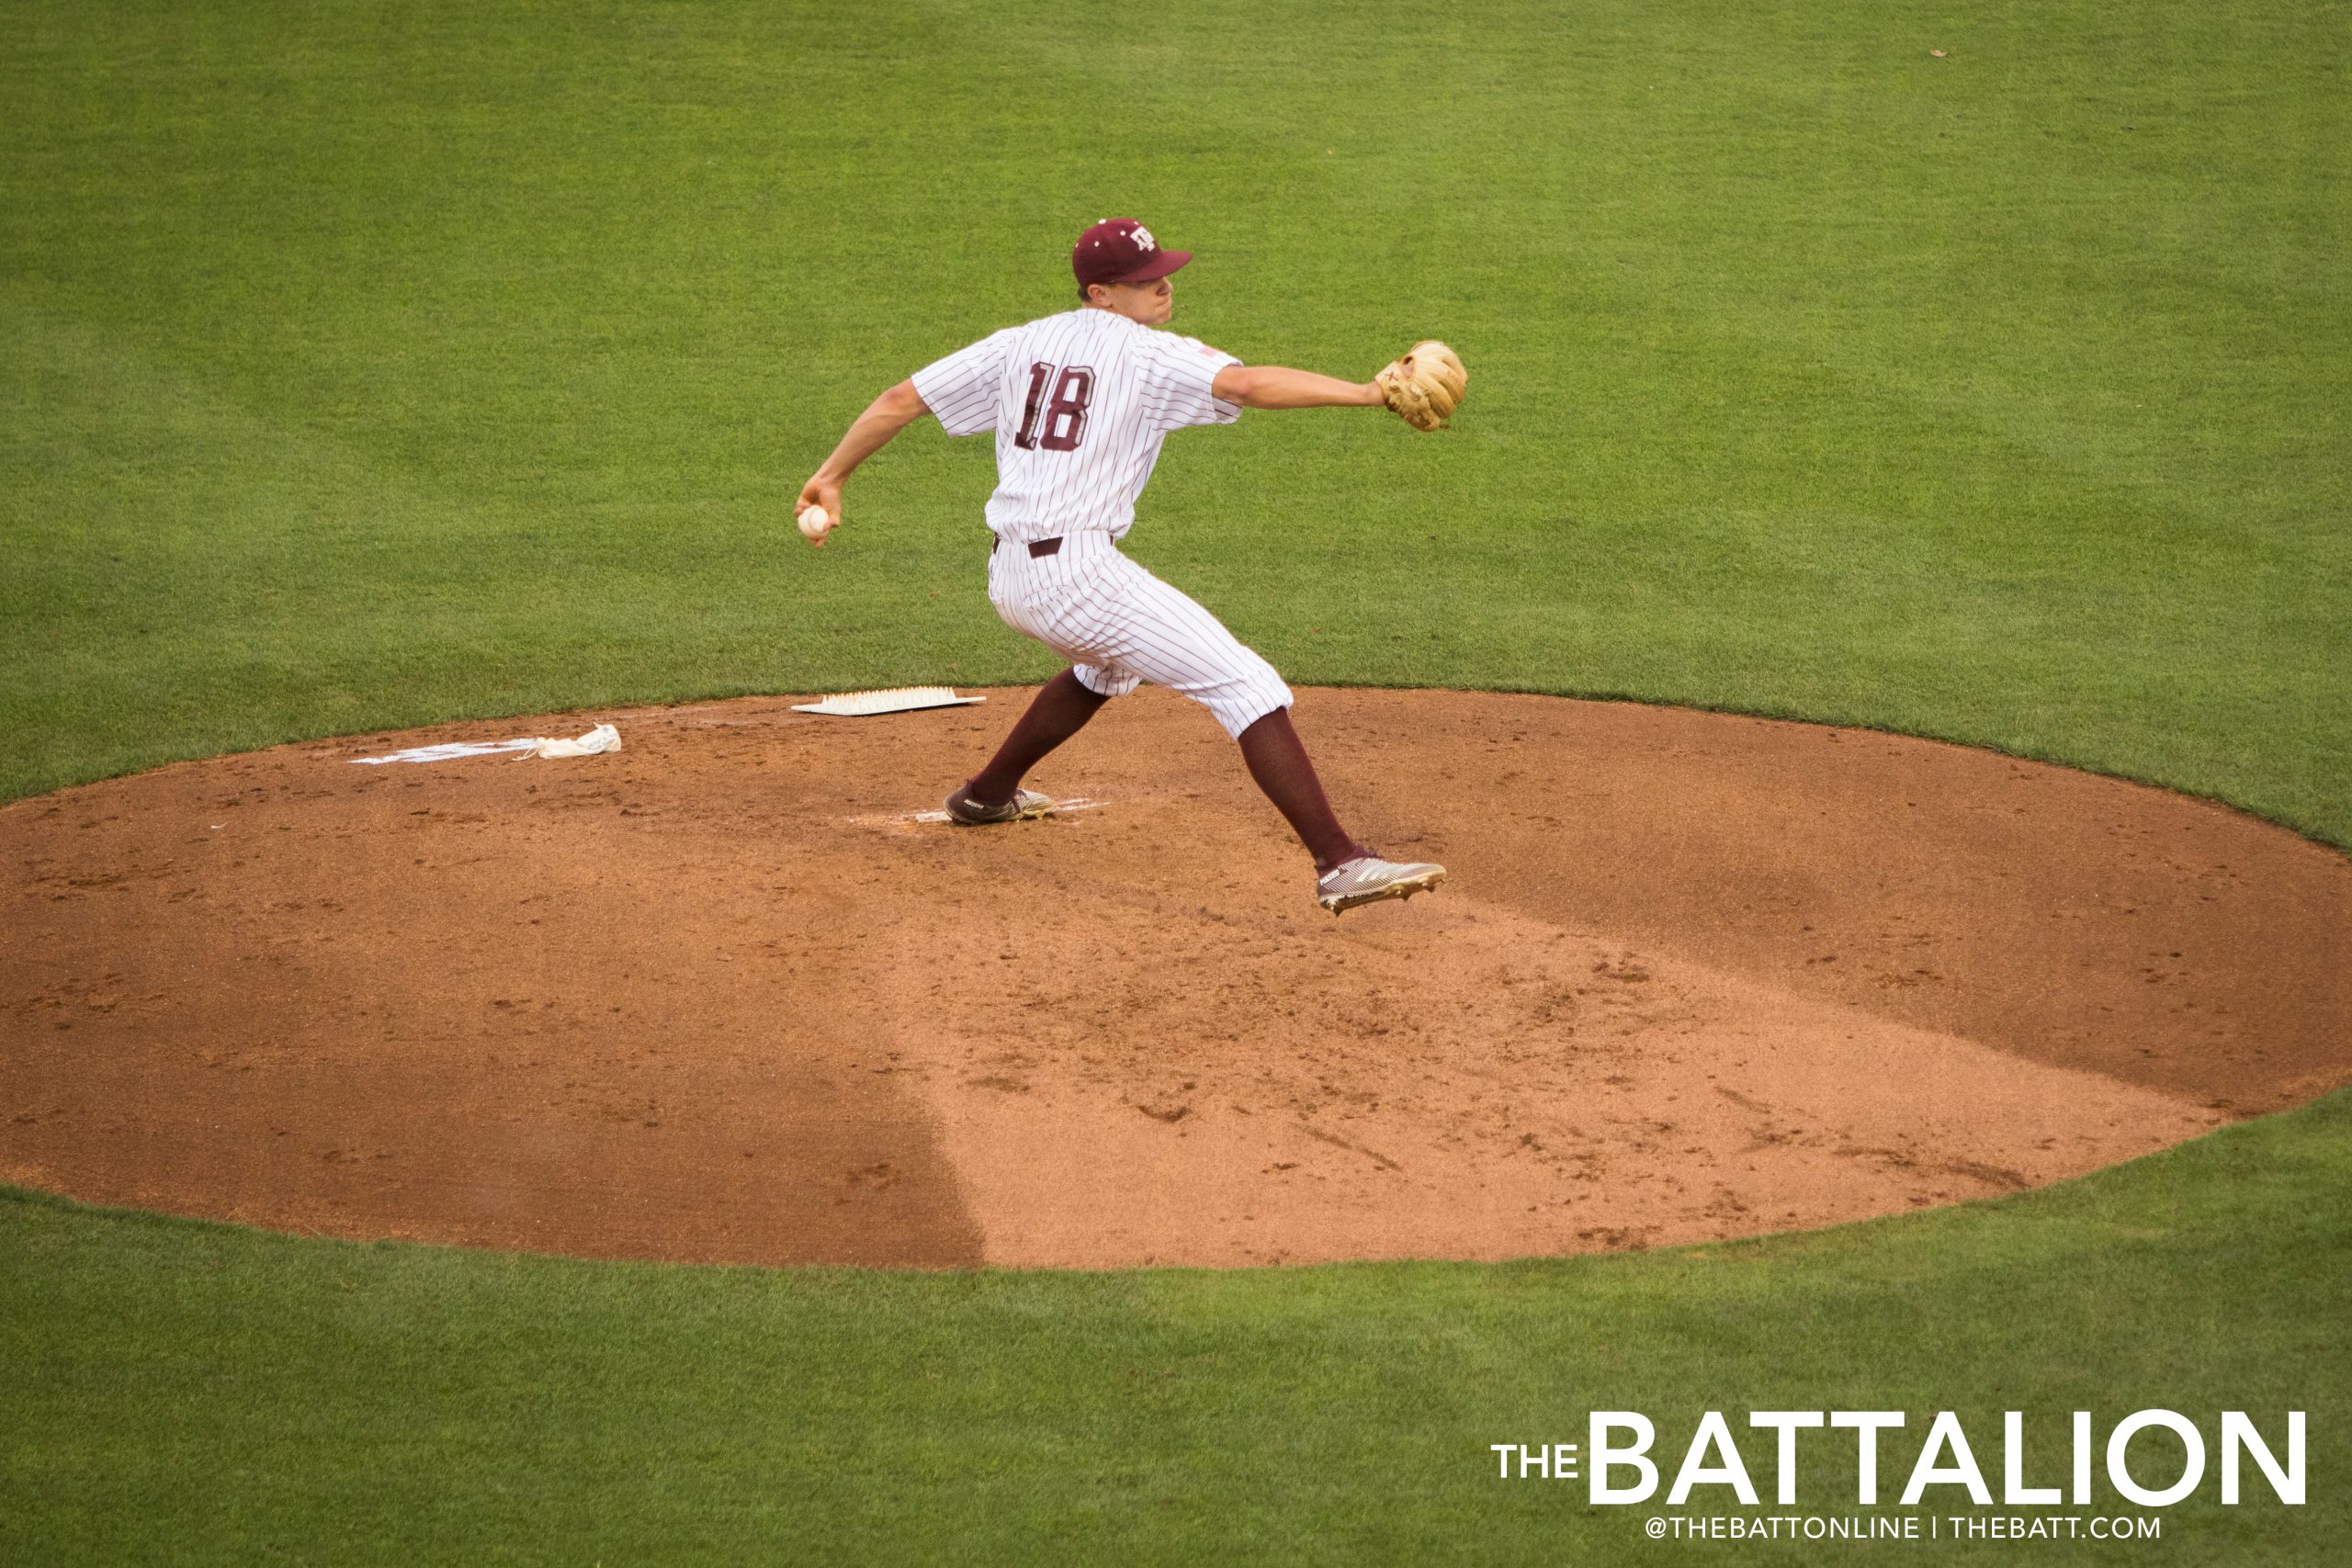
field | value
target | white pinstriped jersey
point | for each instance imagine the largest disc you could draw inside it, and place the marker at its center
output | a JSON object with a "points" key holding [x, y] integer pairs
{"points": [[1080, 403]]}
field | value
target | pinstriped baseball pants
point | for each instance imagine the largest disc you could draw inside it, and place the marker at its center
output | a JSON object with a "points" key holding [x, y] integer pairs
{"points": [[1119, 626]]}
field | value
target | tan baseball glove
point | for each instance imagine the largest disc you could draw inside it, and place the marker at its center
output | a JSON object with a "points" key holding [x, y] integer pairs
{"points": [[1425, 387]]}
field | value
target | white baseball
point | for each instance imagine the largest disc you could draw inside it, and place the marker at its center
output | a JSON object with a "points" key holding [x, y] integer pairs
{"points": [[813, 523]]}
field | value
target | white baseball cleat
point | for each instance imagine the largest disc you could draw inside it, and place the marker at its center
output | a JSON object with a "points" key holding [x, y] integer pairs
{"points": [[963, 810], [1368, 877]]}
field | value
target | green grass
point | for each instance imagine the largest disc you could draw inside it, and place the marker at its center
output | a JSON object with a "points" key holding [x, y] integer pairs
{"points": [[365, 373], [263, 1395], [374, 366]]}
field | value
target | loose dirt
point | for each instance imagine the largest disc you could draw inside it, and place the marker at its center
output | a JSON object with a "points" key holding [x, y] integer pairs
{"points": [[725, 996]]}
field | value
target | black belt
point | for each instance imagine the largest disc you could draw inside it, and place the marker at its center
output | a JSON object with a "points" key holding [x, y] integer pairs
{"points": [[1036, 547]]}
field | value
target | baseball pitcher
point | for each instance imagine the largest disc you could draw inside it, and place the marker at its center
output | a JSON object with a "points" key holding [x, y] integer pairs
{"points": [[1080, 403]]}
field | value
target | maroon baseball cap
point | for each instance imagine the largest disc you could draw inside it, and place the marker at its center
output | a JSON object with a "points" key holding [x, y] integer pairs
{"points": [[1120, 250]]}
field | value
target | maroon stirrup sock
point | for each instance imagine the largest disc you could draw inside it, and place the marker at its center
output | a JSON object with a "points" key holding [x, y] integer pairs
{"points": [[1057, 712], [1278, 761]]}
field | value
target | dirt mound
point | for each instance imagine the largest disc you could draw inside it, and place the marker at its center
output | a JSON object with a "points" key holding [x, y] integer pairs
{"points": [[728, 995]]}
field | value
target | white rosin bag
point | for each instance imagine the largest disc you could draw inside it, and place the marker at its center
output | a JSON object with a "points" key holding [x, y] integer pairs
{"points": [[602, 738]]}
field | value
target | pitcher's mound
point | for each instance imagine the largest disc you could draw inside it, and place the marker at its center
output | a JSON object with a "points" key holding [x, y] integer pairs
{"points": [[727, 996]]}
